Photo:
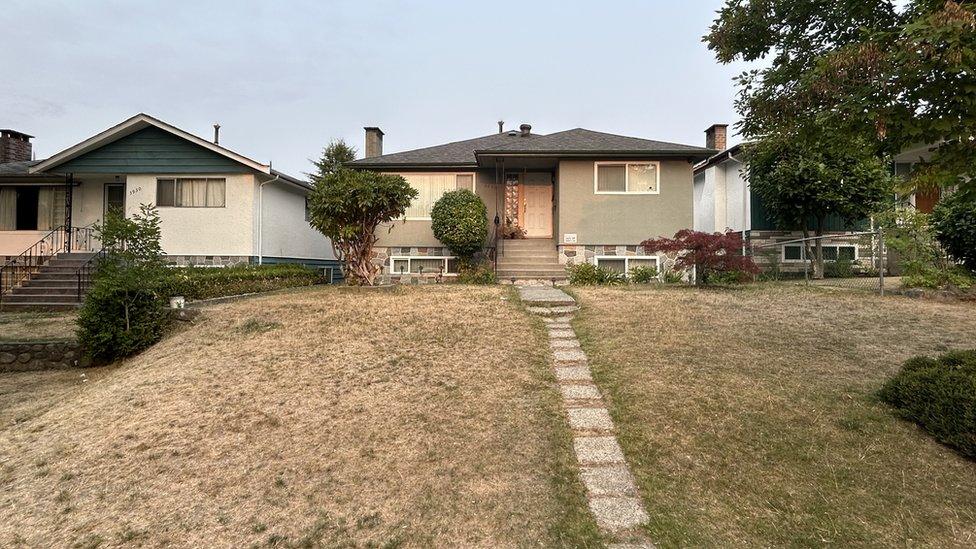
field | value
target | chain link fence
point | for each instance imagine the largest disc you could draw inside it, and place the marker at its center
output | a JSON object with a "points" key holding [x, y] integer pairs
{"points": [[856, 260]]}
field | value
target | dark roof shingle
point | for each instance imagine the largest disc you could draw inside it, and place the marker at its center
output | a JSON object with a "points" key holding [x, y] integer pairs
{"points": [[577, 141]]}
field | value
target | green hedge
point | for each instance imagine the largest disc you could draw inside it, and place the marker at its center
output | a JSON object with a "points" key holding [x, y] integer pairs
{"points": [[210, 282], [939, 394]]}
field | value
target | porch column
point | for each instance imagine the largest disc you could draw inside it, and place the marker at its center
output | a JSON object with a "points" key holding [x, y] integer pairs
{"points": [[68, 195]]}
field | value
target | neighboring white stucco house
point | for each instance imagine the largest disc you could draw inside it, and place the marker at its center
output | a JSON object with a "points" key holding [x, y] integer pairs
{"points": [[217, 207]]}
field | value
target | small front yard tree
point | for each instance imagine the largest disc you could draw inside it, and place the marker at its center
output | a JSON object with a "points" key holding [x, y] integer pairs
{"points": [[123, 311], [802, 180], [348, 207], [459, 219], [709, 254]]}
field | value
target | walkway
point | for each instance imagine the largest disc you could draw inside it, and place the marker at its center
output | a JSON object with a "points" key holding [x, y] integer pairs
{"points": [[610, 489]]}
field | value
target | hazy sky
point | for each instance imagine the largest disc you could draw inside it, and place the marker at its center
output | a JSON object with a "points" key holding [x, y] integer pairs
{"points": [[283, 78]]}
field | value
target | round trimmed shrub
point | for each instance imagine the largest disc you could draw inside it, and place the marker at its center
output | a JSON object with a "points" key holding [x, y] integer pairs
{"points": [[954, 224], [460, 222], [939, 394]]}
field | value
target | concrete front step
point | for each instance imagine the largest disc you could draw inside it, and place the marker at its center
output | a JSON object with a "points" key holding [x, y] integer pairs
{"points": [[531, 273], [541, 254], [48, 290], [39, 298], [510, 265], [38, 306], [49, 280]]}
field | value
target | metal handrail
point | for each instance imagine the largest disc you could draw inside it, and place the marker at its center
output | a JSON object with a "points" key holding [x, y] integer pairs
{"points": [[23, 267], [84, 273]]}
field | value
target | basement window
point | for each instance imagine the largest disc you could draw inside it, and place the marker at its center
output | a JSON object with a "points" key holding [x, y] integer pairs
{"points": [[191, 192], [831, 252], [623, 264], [423, 264], [627, 177]]}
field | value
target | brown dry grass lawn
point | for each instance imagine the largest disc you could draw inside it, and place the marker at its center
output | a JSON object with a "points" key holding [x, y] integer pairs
{"points": [[749, 415], [323, 417], [30, 326]]}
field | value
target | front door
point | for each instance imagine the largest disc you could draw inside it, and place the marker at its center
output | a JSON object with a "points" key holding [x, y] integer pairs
{"points": [[114, 198], [538, 211]]}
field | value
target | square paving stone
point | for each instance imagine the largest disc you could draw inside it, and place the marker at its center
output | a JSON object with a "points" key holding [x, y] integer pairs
{"points": [[580, 392], [608, 480], [573, 373], [597, 450], [569, 355], [590, 419], [616, 514], [564, 344]]}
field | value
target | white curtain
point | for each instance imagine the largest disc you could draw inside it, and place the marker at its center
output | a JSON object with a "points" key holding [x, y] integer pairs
{"points": [[184, 192], [199, 193], [215, 193], [45, 208], [57, 208], [8, 209]]}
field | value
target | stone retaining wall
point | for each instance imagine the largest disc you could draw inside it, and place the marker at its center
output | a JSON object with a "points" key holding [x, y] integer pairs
{"points": [[40, 355]]}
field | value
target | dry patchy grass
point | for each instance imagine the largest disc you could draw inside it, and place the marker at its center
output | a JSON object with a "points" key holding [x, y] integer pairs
{"points": [[749, 415], [325, 417], [31, 326]]}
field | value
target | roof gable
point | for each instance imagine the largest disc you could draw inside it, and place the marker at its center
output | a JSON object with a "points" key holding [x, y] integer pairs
{"points": [[143, 144]]}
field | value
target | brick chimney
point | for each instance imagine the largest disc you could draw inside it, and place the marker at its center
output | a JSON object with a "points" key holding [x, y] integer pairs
{"points": [[716, 137], [374, 141], [14, 146]]}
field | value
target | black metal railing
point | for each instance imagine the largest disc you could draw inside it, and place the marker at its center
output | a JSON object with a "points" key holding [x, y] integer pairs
{"points": [[84, 273], [23, 267]]}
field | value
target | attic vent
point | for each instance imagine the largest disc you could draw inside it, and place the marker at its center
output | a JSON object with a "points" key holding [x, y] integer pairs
{"points": [[512, 133]]}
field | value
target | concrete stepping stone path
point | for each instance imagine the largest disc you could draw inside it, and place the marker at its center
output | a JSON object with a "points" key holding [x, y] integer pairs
{"points": [[611, 492]]}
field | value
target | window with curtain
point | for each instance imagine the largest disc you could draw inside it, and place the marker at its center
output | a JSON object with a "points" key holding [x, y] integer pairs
{"points": [[8, 209], [627, 177], [41, 208], [191, 192], [431, 187]]}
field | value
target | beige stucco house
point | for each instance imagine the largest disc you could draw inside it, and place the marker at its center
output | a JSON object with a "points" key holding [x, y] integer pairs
{"points": [[578, 195]]}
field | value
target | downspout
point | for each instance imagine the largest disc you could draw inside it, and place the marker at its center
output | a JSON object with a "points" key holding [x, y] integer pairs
{"points": [[261, 218]]}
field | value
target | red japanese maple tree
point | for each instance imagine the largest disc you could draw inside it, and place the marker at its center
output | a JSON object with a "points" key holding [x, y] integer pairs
{"points": [[707, 253]]}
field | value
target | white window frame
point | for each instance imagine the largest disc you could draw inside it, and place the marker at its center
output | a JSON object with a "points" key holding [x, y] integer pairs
{"points": [[626, 165], [408, 258], [627, 258], [176, 178], [803, 252], [474, 188]]}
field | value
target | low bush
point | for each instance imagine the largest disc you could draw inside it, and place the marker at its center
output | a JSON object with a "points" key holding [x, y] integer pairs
{"points": [[728, 278], [939, 394], [588, 274], [672, 277], [841, 268], [210, 282], [923, 276], [642, 275], [459, 219], [476, 273], [123, 311]]}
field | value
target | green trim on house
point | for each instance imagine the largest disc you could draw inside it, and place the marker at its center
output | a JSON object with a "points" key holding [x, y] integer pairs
{"points": [[763, 220], [151, 150]]}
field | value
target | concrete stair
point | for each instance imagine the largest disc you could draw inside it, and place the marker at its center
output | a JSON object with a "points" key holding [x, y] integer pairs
{"points": [[529, 259], [53, 287]]}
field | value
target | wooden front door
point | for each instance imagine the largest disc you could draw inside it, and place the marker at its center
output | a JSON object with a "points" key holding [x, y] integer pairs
{"points": [[537, 211]]}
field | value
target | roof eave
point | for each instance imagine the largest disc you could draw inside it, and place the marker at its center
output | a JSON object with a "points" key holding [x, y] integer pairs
{"points": [[411, 165], [701, 154]]}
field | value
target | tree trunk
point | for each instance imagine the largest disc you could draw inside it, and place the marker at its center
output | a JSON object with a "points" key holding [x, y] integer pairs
{"points": [[818, 250]]}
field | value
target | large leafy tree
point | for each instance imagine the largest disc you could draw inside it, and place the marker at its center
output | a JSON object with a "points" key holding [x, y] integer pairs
{"points": [[348, 206], [863, 70], [802, 183]]}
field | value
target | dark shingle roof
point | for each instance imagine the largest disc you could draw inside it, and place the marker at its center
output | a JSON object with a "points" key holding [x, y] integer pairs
{"points": [[583, 141], [17, 168], [452, 154], [577, 141]]}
